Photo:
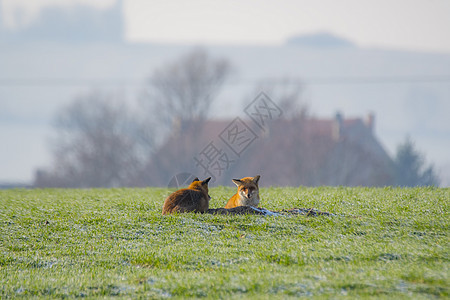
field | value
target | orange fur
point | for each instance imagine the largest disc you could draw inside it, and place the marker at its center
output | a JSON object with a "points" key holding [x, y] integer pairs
{"points": [[247, 193], [195, 198]]}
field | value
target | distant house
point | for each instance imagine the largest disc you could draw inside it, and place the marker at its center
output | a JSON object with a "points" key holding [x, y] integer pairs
{"points": [[289, 152], [353, 156], [78, 23]]}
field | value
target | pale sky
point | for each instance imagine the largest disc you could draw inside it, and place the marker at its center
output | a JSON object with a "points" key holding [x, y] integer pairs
{"points": [[413, 25], [418, 25]]}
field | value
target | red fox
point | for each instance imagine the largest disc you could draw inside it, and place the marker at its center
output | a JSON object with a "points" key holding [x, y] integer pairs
{"points": [[195, 198], [247, 193]]}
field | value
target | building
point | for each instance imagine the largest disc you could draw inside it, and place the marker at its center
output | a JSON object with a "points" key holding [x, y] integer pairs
{"points": [[289, 152]]}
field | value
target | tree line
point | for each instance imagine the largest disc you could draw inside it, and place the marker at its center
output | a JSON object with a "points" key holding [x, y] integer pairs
{"points": [[101, 141]]}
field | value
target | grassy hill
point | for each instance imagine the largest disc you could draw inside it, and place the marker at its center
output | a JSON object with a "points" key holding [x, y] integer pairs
{"points": [[389, 242]]}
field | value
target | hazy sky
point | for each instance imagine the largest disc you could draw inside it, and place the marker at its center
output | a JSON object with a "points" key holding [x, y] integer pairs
{"points": [[415, 25], [422, 25]]}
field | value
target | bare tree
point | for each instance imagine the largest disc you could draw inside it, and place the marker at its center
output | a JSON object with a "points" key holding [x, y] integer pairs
{"points": [[101, 143], [98, 143], [288, 94], [182, 92], [179, 97]]}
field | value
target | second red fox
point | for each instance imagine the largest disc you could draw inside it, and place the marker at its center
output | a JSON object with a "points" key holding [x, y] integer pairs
{"points": [[247, 193], [195, 198]]}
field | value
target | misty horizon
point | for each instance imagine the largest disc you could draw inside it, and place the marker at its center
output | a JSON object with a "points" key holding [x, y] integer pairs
{"points": [[407, 90]]}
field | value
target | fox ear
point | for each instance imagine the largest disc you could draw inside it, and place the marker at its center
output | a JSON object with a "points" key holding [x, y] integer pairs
{"points": [[256, 179], [206, 181], [237, 182], [196, 179]]}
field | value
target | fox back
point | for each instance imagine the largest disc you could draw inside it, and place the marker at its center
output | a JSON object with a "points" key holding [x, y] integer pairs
{"points": [[247, 193], [194, 198]]}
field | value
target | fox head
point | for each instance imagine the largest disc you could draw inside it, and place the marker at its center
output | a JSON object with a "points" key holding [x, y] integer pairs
{"points": [[201, 186], [248, 187]]}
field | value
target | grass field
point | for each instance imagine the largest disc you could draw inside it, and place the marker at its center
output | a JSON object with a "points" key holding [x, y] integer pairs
{"points": [[382, 242]]}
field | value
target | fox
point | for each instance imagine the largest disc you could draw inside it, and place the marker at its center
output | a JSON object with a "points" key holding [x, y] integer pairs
{"points": [[247, 193], [194, 198]]}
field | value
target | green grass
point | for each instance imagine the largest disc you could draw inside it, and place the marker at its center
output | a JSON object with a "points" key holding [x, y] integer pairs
{"points": [[383, 243]]}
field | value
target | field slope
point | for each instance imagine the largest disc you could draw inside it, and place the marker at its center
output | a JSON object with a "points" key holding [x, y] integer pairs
{"points": [[382, 242]]}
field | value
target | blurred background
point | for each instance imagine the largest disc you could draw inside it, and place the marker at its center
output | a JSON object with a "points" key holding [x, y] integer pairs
{"points": [[113, 93]]}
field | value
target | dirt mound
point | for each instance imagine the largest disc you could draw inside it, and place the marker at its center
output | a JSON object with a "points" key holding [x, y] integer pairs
{"points": [[249, 210]]}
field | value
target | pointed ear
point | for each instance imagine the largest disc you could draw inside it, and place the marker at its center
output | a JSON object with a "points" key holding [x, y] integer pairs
{"points": [[237, 182], [256, 179], [206, 181], [196, 179]]}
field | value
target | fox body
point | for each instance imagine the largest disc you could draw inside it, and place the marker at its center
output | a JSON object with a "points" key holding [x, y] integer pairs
{"points": [[195, 198], [247, 193]]}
